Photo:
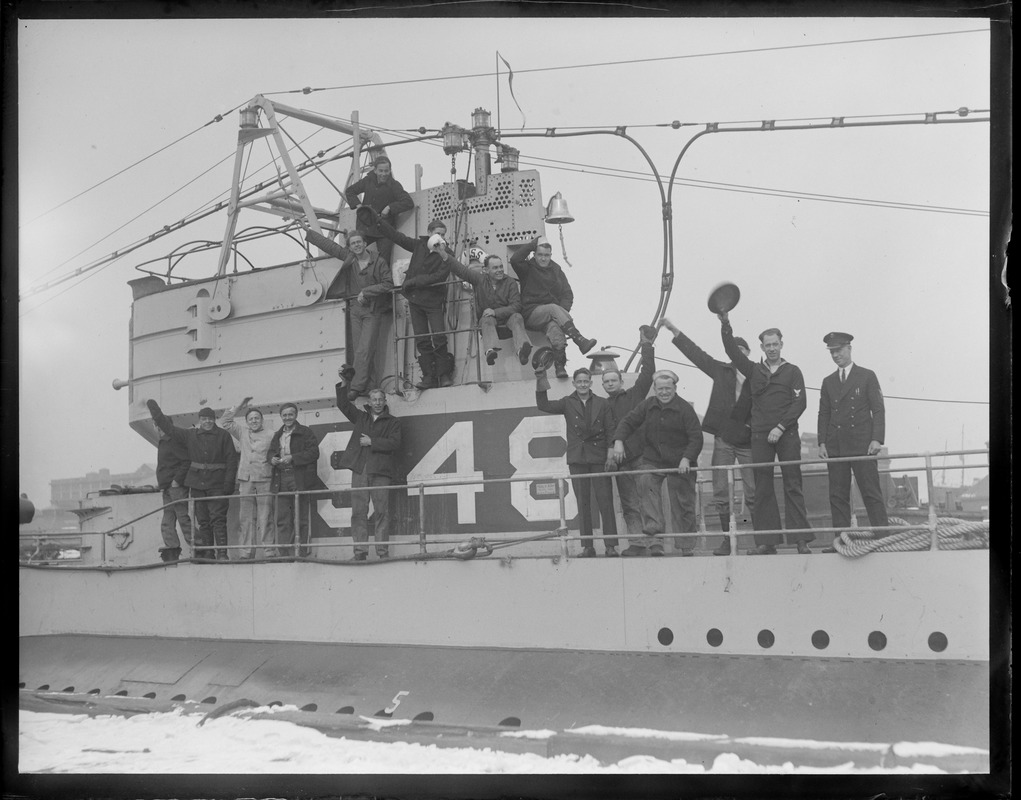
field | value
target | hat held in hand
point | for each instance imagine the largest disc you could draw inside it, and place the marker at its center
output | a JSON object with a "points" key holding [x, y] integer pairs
{"points": [[543, 358]]}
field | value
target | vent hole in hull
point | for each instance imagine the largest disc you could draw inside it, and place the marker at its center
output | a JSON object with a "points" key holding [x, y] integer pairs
{"points": [[383, 713], [93, 691], [937, 642], [68, 689], [766, 639], [211, 700], [150, 695], [877, 640], [44, 688], [510, 722], [178, 698], [346, 710], [820, 640], [425, 716], [665, 636], [714, 636], [310, 707], [121, 693]]}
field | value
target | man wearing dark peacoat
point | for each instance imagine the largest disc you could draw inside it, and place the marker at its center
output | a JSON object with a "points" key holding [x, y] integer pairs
{"points": [[852, 422], [589, 444]]}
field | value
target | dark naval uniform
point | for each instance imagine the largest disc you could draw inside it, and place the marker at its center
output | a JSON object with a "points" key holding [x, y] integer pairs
{"points": [[852, 414]]}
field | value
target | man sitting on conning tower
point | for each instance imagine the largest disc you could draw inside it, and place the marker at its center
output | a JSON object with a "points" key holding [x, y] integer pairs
{"points": [[546, 300]]}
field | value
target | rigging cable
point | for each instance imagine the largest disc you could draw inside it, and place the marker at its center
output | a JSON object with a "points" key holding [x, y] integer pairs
{"points": [[217, 118], [310, 90]]}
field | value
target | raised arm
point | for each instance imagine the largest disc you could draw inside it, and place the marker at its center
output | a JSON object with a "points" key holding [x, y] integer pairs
{"points": [[695, 354], [228, 419], [741, 361], [519, 261], [328, 246], [164, 423], [394, 235], [464, 273]]}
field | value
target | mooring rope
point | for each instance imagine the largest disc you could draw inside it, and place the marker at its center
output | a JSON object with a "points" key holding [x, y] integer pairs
{"points": [[952, 534]]}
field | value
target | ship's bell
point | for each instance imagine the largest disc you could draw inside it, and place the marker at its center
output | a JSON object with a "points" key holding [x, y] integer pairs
{"points": [[556, 211]]}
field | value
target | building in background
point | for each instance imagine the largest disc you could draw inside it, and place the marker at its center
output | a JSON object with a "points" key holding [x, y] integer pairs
{"points": [[66, 493]]}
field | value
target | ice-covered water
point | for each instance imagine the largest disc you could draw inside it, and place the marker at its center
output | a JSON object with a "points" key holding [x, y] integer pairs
{"points": [[172, 742]]}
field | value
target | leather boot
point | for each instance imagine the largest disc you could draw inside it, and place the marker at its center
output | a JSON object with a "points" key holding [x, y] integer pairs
{"points": [[427, 361], [583, 344], [560, 362], [445, 369], [170, 554]]}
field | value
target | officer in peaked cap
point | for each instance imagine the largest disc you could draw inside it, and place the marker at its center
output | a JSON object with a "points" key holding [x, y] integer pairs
{"points": [[852, 422], [834, 340]]}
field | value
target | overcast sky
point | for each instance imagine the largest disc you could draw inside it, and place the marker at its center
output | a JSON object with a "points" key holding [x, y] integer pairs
{"points": [[911, 284]]}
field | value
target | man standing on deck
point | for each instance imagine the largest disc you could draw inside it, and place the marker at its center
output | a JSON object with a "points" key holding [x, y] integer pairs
{"points": [[622, 401], [728, 419], [671, 440], [426, 290], [385, 197], [852, 422], [254, 474], [588, 451], [211, 474], [497, 302], [546, 300], [171, 470], [294, 455], [366, 281], [778, 400], [371, 455]]}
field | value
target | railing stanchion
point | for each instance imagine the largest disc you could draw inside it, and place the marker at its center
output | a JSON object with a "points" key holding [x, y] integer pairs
{"points": [[732, 532], [297, 523], [421, 517], [700, 508], [194, 525], [934, 537], [562, 531]]}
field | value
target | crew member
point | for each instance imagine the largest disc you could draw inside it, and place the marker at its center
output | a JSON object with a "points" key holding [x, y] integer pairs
{"points": [[371, 455], [671, 439], [211, 474], [294, 454], [622, 401], [728, 419], [588, 451], [367, 279], [778, 400], [385, 196], [546, 300], [171, 470], [425, 288], [852, 422], [254, 475], [497, 302]]}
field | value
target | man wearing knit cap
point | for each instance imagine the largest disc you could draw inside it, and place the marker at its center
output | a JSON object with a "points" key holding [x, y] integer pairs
{"points": [[381, 195], [211, 474], [728, 419], [294, 455], [426, 290], [546, 300], [852, 422]]}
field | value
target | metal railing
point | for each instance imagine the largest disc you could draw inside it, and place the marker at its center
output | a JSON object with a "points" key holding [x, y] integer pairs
{"points": [[561, 533]]}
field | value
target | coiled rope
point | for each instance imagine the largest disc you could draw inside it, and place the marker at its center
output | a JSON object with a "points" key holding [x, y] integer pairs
{"points": [[952, 534]]}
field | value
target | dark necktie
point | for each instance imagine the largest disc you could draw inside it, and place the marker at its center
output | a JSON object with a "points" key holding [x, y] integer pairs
{"points": [[842, 376]]}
